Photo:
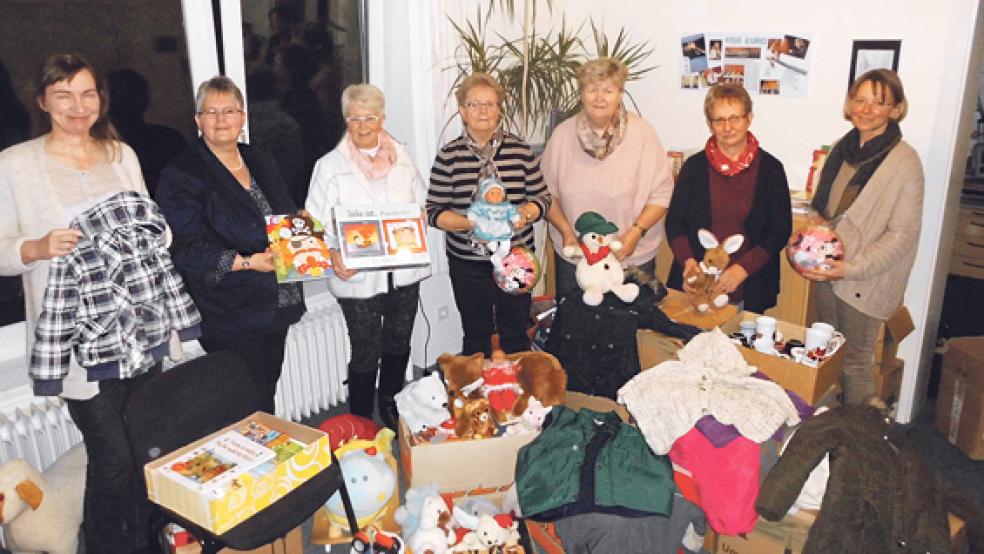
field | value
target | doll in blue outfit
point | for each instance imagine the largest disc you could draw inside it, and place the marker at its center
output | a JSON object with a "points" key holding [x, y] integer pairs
{"points": [[493, 217]]}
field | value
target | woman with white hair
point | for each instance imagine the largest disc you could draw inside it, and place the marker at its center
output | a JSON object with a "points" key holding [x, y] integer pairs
{"points": [[368, 167]]}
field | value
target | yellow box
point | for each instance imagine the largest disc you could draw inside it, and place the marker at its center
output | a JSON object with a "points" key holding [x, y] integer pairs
{"points": [[247, 494]]}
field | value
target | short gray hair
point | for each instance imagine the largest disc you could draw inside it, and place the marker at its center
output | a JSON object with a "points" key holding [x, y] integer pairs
{"points": [[221, 84], [365, 95]]}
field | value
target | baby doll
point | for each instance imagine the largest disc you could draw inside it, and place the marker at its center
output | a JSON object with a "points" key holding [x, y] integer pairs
{"points": [[500, 384], [493, 217]]}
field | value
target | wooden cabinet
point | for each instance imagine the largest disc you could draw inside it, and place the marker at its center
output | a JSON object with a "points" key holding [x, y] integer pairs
{"points": [[968, 246]]}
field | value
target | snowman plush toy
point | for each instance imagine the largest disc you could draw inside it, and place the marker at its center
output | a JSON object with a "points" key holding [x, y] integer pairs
{"points": [[598, 270]]}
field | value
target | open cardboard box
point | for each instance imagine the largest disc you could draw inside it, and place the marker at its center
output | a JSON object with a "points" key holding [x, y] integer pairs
{"points": [[897, 327], [960, 402], [810, 383], [247, 494]]}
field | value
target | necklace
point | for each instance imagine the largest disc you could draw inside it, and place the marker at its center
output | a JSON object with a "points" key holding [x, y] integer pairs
{"points": [[238, 167]]}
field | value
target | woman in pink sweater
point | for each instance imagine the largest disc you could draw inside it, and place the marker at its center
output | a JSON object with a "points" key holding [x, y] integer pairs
{"points": [[610, 161]]}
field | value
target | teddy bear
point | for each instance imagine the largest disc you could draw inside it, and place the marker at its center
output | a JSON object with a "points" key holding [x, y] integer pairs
{"points": [[435, 534], [717, 255], [476, 421], [423, 404], [540, 376], [491, 531], [532, 419], [42, 512], [408, 515], [463, 378], [598, 270]]}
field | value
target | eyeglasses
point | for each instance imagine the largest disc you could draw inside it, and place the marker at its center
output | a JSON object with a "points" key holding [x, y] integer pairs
{"points": [[605, 90], [478, 106], [873, 103], [733, 120], [356, 119], [214, 114]]}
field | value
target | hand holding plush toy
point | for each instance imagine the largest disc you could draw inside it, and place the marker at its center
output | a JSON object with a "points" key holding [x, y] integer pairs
{"points": [[599, 271], [716, 258], [493, 217]]}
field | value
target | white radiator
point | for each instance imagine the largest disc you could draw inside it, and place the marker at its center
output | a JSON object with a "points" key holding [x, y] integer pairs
{"points": [[315, 364], [40, 430]]}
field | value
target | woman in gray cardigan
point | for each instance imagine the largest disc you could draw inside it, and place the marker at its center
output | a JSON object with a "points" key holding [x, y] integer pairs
{"points": [[871, 193]]}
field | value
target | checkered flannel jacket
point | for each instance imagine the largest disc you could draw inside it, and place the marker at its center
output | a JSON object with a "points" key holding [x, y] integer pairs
{"points": [[115, 299]]}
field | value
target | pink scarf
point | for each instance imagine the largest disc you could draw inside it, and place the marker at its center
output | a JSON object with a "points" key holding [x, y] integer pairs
{"points": [[378, 166], [727, 167]]}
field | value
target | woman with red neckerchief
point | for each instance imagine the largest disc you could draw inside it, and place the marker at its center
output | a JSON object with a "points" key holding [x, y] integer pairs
{"points": [[732, 186]]}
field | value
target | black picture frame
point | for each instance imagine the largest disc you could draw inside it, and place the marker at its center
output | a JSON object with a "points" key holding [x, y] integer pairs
{"points": [[885, 46]]}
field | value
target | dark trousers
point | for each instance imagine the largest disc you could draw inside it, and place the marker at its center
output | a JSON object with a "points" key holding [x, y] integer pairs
{"points": [[115, 508], [263, 353], [379, 329], [565, 279], [485, 308]]}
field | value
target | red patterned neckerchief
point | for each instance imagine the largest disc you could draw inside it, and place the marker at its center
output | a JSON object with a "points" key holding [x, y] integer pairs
{"points": [[727, 167], [595, 257]]}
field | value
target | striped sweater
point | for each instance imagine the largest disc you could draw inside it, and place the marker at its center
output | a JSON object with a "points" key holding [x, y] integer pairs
{"points": [[454, 178]]}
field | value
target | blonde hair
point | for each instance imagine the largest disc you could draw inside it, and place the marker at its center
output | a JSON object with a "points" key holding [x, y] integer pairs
{"points": [[602, 69], [727, 92], [881, 80], [479, 80], [365, 95]]}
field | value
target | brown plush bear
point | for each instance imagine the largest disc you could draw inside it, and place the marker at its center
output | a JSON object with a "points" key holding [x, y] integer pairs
{"points": [[540, 376], [461, 375], [476, 420]]}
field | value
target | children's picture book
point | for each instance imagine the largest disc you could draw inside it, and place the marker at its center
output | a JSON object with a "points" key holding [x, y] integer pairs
{"points": [[382, 237], [283, 445], [299, 244], [213, 465]]}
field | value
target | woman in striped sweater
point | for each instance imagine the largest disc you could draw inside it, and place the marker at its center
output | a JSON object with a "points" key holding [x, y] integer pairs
{"points": [[484, 150]]}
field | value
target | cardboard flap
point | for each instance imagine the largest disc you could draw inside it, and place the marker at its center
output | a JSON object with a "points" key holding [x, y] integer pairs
{"points": [[899, 324]]}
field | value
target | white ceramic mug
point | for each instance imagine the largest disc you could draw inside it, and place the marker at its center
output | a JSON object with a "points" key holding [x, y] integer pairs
{"points": [[766, 346], [765, 326], [824, 326], [748, 330], [817, 338]]}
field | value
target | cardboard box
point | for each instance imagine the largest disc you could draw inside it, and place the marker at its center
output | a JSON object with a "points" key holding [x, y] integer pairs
{"points": [[960, 402], [290, 544], [656, 348], [678, 308], [888, 380], [247, 494], [897, 327], [810, 383], [477, 467]]}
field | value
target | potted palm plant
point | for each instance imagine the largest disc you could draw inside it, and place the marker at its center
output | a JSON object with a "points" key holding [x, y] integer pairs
{"points": [[538, 70]]}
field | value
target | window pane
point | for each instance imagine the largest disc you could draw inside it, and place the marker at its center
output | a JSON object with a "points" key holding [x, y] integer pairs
{"points": [[299, 57], [138, 44]]}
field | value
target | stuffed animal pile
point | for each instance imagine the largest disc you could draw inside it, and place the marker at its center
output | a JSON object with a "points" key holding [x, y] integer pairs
{"points": [[439, 524], [479, 398]]}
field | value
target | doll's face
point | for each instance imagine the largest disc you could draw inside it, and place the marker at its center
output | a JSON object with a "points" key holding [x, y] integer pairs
{"points": [[494, 195]]}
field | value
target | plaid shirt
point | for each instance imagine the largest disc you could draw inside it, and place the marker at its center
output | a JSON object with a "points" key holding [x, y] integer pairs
{"points": [[115, 299]]}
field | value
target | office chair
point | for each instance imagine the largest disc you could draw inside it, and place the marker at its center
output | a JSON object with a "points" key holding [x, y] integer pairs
{"points": [[195, 399]]}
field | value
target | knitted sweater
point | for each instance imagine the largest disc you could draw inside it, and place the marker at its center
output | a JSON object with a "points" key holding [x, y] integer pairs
{"points": [[711, 377]]}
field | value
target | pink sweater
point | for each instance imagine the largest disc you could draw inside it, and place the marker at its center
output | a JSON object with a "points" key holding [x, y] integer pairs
{"points": [[619, 187]]}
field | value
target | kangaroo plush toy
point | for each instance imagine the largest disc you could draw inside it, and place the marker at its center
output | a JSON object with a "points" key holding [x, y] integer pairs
{"points": [[598, 270], [717, 255]]}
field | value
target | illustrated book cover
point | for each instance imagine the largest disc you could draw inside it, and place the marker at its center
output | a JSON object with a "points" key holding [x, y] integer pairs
{"points": [[382, 237], [299, 244]]}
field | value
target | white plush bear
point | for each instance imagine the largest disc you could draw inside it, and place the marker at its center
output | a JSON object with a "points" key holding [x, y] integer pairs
{"points": [[599, 271], [408, 515], [435, 534], [423, 404], [490, 532]]}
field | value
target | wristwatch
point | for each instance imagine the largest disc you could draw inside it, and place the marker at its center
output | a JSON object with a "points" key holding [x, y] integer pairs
{"points": [[642, 230], [245, 265]]}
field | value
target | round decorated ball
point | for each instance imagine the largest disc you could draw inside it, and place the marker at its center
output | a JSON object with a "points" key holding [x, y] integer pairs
{"points": [[520, 271], [812, 247]]}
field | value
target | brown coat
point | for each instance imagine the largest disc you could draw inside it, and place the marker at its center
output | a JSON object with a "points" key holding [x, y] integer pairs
{"points": [[880, 232], [881, 496]]}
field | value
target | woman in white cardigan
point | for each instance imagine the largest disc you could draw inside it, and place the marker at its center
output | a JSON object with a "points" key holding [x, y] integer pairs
{"points": [[44, 184], [368, 167]]}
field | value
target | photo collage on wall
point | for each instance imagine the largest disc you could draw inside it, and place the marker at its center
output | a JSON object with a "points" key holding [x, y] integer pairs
{"points": [[775, 64]]}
